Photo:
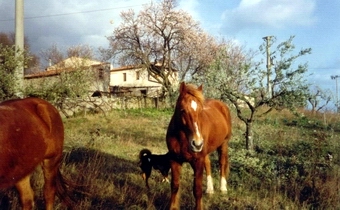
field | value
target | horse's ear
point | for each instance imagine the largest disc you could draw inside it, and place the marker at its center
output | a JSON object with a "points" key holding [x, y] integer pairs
{"points": [[200, 88], [182, 87]]}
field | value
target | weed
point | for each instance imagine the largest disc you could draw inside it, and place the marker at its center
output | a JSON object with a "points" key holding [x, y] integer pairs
{"points": [[295, 164]]}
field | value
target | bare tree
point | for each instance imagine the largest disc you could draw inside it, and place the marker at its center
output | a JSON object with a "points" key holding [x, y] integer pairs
{"points": [[80, 51], [52, 55], [318, 99], [162, 35]]}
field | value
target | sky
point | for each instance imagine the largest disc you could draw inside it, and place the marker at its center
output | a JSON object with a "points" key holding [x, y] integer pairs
{"points": [[314, 23]]}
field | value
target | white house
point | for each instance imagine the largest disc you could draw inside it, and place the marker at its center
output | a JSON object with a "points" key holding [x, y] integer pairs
{"points": [[99, 70], [127, 80], [136, 80]]}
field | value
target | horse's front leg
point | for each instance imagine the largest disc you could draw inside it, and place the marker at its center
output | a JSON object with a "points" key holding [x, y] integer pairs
{"points": [[207, 166], [175, 180], [198, 166]]}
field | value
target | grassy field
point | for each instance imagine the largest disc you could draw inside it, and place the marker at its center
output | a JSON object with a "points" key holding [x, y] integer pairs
{"points": [[289, 169]]}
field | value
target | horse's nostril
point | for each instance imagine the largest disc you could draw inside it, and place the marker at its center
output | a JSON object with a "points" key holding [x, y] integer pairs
{"points": [[197, 146]]}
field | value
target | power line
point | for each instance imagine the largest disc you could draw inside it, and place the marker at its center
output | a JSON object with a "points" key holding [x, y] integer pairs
{"points": [[326, 68], [72, 13]]}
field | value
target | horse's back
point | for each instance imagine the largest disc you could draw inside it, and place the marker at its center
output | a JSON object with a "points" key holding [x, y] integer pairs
{"points": [[31, 130], [217, 122], [33, 113], [217, 112]]}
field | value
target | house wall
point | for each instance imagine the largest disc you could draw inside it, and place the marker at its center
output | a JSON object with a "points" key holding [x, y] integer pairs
{"points": [[40, 81], [100, 83], [117, 78], [242, 103], [128, 80]]}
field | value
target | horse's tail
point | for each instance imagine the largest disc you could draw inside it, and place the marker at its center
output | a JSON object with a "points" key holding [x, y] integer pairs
{"points": [[144, 153], [63, 190]]}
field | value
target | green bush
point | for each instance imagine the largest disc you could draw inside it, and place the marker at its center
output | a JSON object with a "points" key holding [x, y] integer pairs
{"points": [[10, 60]]}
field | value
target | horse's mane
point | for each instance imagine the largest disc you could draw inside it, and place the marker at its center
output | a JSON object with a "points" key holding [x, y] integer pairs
{"points": [[192, 90]]}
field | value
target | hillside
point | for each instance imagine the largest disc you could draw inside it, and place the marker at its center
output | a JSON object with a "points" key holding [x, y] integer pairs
{"points": [[295, 165]]}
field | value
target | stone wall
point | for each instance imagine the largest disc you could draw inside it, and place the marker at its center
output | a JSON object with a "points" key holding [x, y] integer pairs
{"points": [[105, 103]]}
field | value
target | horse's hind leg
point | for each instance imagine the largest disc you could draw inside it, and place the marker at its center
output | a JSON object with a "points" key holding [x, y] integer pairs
{"points": [[224, 165], [26, 193], [50, 168]]}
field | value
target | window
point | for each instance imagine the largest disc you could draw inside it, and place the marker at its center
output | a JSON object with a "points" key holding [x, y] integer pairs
{"points": [[137, 75], [101, 74], [124, 77]]}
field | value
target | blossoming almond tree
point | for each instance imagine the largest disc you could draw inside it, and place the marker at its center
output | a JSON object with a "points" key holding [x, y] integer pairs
{"points": [[164, 35]]}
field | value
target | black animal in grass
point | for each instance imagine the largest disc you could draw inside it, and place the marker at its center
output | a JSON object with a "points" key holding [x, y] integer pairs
{"points": [[147, 161]]}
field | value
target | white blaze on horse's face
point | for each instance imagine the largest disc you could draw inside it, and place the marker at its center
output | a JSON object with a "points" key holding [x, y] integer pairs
{"points": [[196, 142], [194, 105]]}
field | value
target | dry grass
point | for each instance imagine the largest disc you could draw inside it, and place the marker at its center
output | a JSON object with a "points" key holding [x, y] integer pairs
{"points": [[101, 157]]}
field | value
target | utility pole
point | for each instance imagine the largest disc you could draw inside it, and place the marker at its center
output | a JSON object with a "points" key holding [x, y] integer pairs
{"points": [[19, 42], [335, 77], [269, 65]]}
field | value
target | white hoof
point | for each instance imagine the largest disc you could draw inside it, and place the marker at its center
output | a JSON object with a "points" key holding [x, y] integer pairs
{"points": [[209, 191], [223, 185], [224, 190], [210, 186]]}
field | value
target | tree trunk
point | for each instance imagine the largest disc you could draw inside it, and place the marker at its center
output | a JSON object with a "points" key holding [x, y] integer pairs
{"points": [[249, 136]]}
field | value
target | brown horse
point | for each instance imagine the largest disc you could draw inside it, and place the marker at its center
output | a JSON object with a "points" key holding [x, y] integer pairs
{"points": [[31, 132], [197, 128]]}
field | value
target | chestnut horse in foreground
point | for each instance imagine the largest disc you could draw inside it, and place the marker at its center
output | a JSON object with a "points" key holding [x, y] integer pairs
{"points": [[31, 133], [197, 128]]}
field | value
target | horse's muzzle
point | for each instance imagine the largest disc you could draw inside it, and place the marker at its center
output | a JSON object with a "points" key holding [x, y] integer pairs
{"points": [[196, 146]]}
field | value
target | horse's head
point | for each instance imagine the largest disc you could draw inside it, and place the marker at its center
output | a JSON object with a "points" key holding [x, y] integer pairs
{"points": [[189, 107]]}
